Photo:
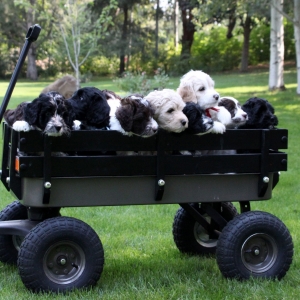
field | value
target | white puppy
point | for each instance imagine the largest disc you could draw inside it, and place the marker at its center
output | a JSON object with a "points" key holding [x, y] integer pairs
{"points": [[168, 106], [198, 87]]}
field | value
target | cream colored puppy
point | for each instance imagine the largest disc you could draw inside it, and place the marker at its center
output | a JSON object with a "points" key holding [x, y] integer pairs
{"points": [[198, 87], [168, 107]]}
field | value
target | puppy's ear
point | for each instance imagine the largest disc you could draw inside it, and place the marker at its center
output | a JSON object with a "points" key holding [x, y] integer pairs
{"points": [[99, 110], [31, 111], [187, 93]]}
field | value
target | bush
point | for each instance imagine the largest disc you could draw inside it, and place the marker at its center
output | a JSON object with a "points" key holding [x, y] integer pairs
{"points": [[212, 51], [139, 82], [100, 66]]}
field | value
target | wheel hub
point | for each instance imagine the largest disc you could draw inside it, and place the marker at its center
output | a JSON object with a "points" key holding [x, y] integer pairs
{"points": [[64, 262], [259, 252]]}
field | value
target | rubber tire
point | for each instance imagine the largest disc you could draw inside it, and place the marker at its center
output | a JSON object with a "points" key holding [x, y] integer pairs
{"points": [[9, 244], [53, 240], [190, 237], [249, 232]]}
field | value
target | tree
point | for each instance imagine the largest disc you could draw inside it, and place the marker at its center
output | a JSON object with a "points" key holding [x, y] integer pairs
{"points": [[188, 25], [236, 12], [296, 22], [17, 16], [276, 47], [80, 29]]}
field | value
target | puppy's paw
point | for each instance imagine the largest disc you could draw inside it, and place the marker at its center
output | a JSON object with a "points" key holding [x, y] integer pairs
{"points": [[76, 125], [218, 128], [21, 126]]}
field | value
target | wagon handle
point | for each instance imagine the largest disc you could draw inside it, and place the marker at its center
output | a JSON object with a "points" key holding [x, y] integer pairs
{"points": [[31, 36]]}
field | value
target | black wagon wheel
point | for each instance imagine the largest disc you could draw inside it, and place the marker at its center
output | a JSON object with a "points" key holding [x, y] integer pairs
{"points": [[10, 244], [60, 254], [254, 244], [190, 237]]}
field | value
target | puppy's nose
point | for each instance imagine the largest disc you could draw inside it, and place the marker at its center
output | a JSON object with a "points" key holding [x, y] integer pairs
{"points": [[183, 122], [154, 129], [244, 116], [58, 128], [216, 96]]}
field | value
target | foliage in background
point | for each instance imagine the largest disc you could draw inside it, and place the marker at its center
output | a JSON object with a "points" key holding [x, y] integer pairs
{"points": [[212, 51], [140, 83]]}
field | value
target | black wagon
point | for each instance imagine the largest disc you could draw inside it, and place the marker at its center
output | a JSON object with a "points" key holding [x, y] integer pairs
{"points": [[59, 253]]}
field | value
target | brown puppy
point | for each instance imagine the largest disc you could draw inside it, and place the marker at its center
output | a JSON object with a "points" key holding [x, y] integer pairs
{"points": [[65, 86]]}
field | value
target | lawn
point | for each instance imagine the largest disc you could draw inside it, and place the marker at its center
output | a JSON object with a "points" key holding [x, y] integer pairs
{"points": [[141, 259]]}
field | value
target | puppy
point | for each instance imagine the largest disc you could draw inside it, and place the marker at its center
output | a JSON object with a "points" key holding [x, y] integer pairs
{"points": [[90, 109], [49, 113], [65, 86], [133, 115], [229, 112], [261, 114], [199, 123], [168, 106], [198, 87]]}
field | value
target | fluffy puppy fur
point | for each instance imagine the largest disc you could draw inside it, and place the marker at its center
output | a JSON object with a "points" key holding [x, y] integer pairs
{"points": [[229, 112], [198, 87], [168, 106], [199, 123], [90, 108], [65, 86], [261, 114], [49, 113], [132, 115]]}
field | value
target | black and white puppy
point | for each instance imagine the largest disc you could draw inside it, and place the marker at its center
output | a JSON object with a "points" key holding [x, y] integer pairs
{"points": [[90, 109], [261, 114], [199, 122], [229, 112], [48, 113], [133, 115]]}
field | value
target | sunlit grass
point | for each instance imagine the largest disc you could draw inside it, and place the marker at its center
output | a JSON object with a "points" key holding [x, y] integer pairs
{"points": [[141, 259]]}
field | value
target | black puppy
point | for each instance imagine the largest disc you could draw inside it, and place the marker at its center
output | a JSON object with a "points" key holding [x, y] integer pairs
{"points": [[48, 113], [90, 107], [199, 122], [260, 114]]}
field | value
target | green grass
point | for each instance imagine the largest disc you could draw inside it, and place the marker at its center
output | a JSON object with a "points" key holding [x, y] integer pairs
{"points": [[141, 259]]}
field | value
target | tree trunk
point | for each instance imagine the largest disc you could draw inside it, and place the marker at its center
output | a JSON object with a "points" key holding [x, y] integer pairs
{"points": [[31, 65], [297, 40], [246, 43], [276, 47], [188, 30], [156, 29], [31, 56], [231, 25], [176, 21], [124, 39]]}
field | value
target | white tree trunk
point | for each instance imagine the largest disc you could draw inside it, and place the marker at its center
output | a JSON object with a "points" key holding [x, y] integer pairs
{"points": [[276, 46], [297, 40]]}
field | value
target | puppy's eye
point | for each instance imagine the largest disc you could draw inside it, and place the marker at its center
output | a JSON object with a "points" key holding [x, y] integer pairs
{"points": [[170, 110], [201, 89]]}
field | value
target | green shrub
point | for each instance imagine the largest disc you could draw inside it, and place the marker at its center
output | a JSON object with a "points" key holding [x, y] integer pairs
{"points": [[212, 51], [139, 82], [100, 66]]}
